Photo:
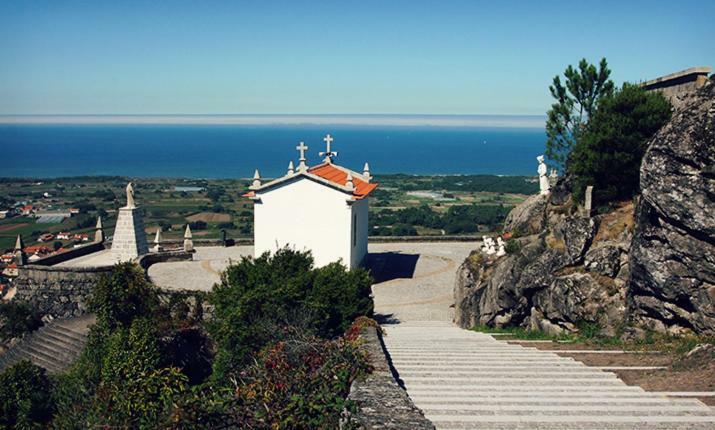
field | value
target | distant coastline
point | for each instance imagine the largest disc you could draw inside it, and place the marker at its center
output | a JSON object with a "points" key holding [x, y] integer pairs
{"points": [[497, 121]]}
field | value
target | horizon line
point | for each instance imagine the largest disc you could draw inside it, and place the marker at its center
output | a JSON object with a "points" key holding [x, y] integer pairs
{"points": [[435, 120]]}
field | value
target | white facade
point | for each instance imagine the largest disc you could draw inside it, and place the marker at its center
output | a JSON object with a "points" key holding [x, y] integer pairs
{"points": [[322, 209], [306, 215]]}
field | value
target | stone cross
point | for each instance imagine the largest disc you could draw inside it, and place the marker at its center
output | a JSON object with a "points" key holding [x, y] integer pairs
{"points": [[302, 148], [130, 196], [328, 153]]}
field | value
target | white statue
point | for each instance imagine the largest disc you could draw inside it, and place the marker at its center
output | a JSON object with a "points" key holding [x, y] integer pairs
{"points": [[485, 244], [502, 248], [130, 196], [543, 179], [491, 250]]}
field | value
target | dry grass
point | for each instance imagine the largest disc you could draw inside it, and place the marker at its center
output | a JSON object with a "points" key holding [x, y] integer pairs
{"points": [[554, 243], [209, 217], [613, 224]]}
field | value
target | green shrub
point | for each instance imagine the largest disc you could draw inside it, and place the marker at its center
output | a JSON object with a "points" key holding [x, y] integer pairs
{"points": [[608, 154], [512, 246], [25, 400], [123, 295], [257, 297], [16, 319], [298, 383]]}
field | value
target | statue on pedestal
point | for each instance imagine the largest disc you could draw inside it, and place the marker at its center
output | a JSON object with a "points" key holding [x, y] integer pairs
{"points": [[130, 196]]}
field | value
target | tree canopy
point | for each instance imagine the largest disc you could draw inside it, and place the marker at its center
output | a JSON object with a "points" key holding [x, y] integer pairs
{"points": [[576, 100]]}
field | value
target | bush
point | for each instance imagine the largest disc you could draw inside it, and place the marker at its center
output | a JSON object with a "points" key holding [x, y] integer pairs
{"points": [[609, 152], [300, 382], [25, 400], [512, 246], [257, 297], [123, 295], [16, 319]]}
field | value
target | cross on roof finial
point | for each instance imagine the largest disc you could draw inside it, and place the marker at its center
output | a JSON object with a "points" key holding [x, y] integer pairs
{"points": [[328, 153], [302, 148]]}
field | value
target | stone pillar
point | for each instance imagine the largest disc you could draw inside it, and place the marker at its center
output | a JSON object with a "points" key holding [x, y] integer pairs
{"points": [[157, 241], [588, 200], [129, 240]]}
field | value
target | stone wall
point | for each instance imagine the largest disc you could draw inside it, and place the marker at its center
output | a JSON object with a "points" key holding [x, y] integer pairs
{"points": [[58, 291], [381, 402], [678, 85]]}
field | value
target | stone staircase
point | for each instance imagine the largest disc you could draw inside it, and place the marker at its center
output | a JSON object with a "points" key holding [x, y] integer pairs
{"points": [[468, 380], [54, 346]]}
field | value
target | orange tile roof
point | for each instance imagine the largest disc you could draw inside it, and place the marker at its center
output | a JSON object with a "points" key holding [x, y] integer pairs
{"points": [[338, 176]]}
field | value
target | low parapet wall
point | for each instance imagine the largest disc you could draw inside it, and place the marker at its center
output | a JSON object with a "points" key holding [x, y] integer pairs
{"points": [[58, 291], [70, 254], [381, 402]]}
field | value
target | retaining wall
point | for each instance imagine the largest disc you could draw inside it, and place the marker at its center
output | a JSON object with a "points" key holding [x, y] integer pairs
{"points": [[381, 402]]}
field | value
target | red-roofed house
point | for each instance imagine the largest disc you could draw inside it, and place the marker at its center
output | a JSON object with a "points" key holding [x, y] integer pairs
{"points": [[323, 209]]}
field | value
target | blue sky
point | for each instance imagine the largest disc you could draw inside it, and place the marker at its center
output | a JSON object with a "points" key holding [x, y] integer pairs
{"points": [[432, 57]]}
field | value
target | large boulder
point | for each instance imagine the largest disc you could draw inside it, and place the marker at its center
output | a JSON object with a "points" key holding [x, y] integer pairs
{"points": [[527, 218], [672, 284]]}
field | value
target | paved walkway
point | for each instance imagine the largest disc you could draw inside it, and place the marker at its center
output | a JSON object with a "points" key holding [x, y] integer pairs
{"points": [[467, 380]]}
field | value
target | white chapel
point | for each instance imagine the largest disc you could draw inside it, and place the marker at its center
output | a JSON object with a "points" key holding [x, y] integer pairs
{"points": [[323, 209]]}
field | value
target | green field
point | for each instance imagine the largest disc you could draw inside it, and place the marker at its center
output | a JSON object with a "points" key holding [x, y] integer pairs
{"points": [[428, 205]]}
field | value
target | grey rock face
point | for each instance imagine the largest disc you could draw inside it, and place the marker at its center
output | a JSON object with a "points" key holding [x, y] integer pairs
{"points": [[527, 218], [552, 284], [604, 260], [672, 284]]}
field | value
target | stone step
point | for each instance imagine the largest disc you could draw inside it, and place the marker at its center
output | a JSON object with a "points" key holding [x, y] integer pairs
{"points": [[68, 335], [572, 419], [568, 425], [458, 367], [531, 390], [427, 401], [51, 342], [524, 382], [568, 409], [506, 374]]}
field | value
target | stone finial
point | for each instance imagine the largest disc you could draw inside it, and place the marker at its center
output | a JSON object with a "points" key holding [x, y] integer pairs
{"points": [[349, 182], [328, 153], [19, 253], [366, 172], [256, 179], [19, 244], [291, 169], [130, 196], [157, 240], [188, 242], [99, 231]]}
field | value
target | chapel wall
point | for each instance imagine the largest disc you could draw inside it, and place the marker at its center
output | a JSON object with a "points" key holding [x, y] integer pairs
{"points": [[304, 215]]}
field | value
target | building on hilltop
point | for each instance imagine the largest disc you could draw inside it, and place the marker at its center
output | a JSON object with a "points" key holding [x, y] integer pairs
{"points": [[322, 209], [676, 85]]}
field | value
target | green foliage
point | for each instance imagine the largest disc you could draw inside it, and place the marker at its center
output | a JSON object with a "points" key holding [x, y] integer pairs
{"points": [[16, 319], [458, 219], [122, 295], [609, 153], [576, 101], [198, 225], [257, 297], [119, 381], [512, 246], [298, 383], [25, 401]]}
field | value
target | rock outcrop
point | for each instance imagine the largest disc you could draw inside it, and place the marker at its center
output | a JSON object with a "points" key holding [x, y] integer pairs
{"points": [[672, 285], [652, 266], [573, 273]]}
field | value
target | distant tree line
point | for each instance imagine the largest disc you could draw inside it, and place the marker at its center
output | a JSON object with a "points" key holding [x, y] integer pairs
{"points": [[457, 219]]}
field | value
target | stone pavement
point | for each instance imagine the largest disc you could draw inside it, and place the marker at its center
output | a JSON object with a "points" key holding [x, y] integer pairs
{"points": [[468, 380], [201, 273]]}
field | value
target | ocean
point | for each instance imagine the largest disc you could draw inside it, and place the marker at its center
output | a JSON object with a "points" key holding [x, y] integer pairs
{"points": [[234, 151]]}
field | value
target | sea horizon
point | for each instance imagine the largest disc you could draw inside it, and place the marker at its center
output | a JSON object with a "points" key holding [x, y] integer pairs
{"points": [[405, 120], [236, 150]]}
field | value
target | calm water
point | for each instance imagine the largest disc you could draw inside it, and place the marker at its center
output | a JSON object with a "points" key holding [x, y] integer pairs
{"points": [[233, 151]]}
